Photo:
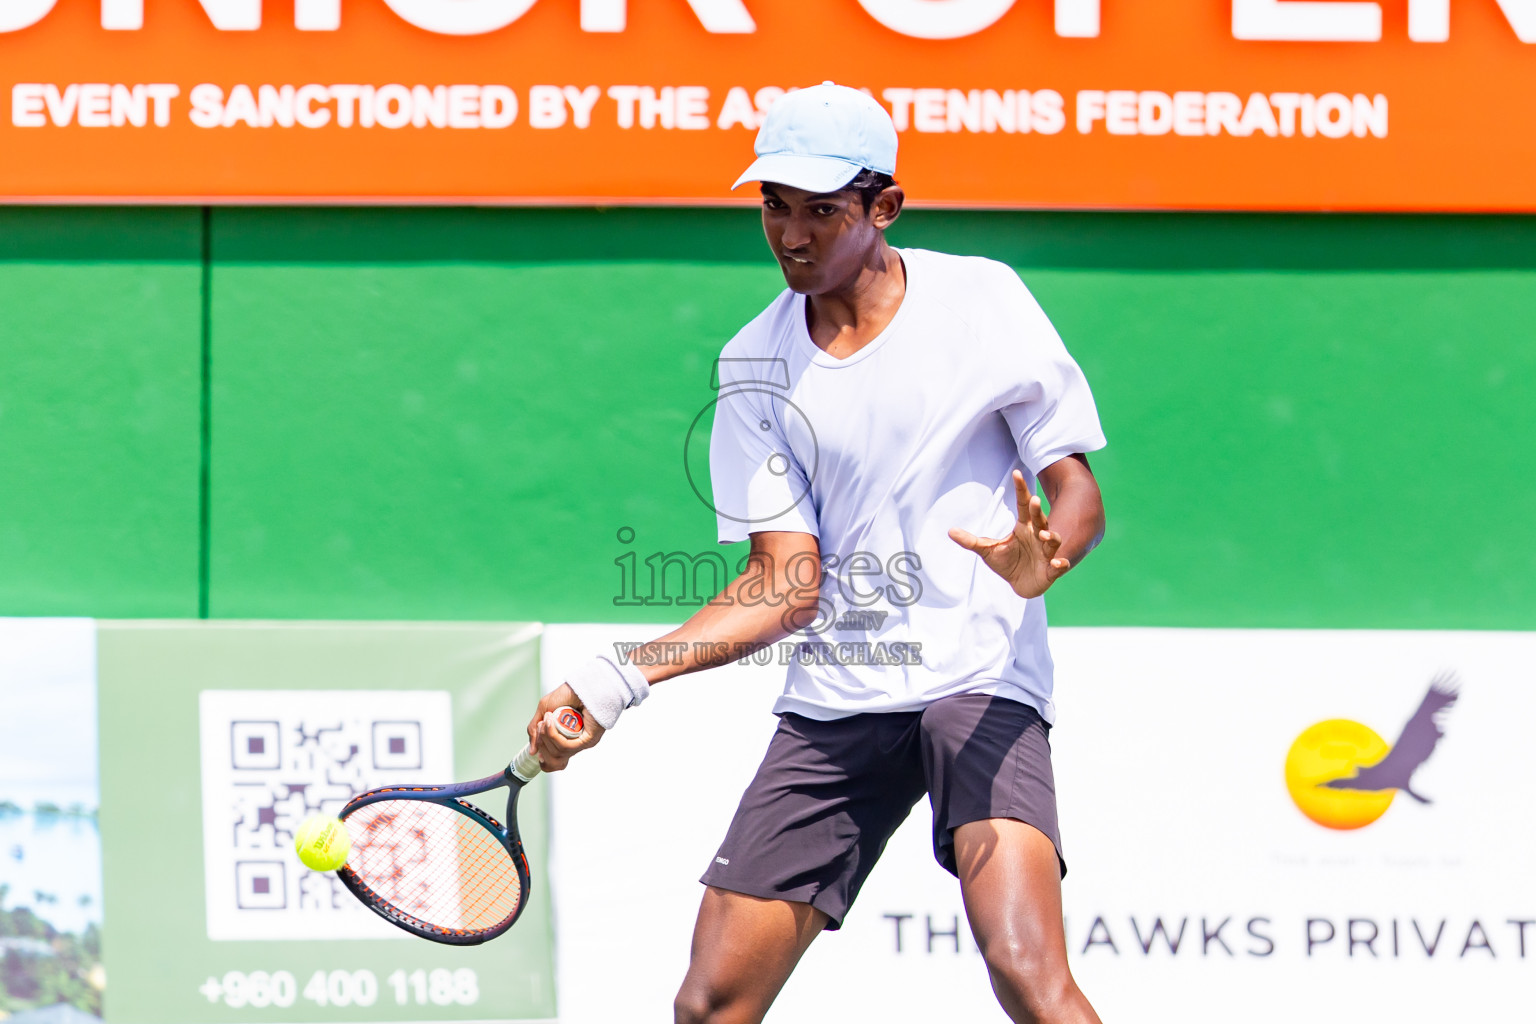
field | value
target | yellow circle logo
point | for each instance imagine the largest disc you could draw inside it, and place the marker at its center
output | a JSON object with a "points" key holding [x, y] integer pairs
{"points": [[1330, 750]]}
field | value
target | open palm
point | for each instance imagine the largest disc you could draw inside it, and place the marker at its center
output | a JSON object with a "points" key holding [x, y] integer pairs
{"points": [[1026, 558]]}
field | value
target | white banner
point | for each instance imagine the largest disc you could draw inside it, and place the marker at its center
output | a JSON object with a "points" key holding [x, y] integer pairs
{"points": [[1200, 889]]}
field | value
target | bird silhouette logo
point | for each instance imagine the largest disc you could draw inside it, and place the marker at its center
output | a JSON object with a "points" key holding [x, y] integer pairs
{"points": [[1342, 775]]}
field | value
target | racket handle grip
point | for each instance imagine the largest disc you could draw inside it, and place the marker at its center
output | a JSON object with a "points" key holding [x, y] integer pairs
{"points": [[526, 765], [568, 723]]}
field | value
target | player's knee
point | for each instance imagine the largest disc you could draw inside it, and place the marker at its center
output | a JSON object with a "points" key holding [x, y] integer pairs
{"points": [[1042, 985], [688, 1008], [695, 1004]]}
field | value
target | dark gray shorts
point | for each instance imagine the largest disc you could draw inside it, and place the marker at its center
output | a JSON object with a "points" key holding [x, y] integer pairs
{"points": [[829, 795]]}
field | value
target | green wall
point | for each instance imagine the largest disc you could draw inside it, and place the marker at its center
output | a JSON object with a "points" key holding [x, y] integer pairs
{"points": [[100, 332], [451, 413]]}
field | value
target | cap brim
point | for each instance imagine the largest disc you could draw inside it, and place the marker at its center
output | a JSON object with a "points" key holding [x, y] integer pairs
{"points": [[811, 173]]}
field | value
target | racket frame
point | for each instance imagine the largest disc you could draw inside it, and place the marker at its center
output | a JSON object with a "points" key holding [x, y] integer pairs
{"points": [[453, 797]]}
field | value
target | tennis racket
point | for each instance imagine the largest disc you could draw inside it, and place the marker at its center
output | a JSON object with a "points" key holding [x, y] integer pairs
{"points": [[427, 860]]}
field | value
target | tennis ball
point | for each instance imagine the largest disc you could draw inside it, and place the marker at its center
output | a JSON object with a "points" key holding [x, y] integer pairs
{"points": [[322, 842]]}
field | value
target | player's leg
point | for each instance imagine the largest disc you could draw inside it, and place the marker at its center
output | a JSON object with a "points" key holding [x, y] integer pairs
{"points": [[988, 764], [1010, 878], [744, 948], [809, 828]]}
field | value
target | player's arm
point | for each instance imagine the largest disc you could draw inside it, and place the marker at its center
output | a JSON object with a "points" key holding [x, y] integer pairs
{"points": [[774, 597], [1042, 549], [1077, 508]]}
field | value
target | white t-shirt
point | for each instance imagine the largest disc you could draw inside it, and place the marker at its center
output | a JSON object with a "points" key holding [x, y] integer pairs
{"points": [[879, 455]]}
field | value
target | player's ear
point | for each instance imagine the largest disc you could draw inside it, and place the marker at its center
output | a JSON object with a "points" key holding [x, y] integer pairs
{"points": [[887, 207]]}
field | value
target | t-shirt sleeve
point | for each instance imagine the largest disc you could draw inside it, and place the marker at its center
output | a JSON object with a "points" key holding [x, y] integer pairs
{"points": [[1050, 407], [759, 483]]}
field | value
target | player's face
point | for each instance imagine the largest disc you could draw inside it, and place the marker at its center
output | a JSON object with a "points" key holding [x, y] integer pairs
{"points": [[821, 240]]}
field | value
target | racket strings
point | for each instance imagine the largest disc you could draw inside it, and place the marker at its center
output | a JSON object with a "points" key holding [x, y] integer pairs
{"points": [[433, 863]]}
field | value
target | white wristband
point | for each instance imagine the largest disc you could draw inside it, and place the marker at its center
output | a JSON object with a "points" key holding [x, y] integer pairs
{"points": [[606, 688]]}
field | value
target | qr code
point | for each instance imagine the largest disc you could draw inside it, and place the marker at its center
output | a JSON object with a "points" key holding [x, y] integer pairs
{"points": [[270, 759]]}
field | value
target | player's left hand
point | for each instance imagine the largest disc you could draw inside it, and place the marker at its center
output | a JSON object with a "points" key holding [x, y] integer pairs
{"points": [[1027, 557], [554, 751]]}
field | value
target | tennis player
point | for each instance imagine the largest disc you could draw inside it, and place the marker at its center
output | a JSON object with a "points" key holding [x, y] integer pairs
{"points": [[879, 432]]}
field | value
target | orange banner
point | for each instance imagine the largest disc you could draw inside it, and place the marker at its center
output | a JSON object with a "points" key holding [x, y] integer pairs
{"points": [[1236, 104]]}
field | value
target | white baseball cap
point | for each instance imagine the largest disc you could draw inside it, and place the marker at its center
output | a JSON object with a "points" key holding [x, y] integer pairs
{"points": [[819, 139]]}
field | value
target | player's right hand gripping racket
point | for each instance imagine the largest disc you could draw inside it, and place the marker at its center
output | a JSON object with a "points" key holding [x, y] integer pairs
{"points": [[427, 860]]}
